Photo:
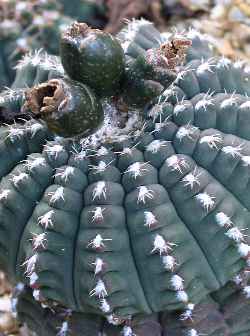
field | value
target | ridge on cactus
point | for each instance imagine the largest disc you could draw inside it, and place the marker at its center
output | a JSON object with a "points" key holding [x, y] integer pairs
{"points": [[139, 228]]}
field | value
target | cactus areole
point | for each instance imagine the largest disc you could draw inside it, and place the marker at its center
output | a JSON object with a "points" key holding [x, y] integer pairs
{"points": [[147, 215]]}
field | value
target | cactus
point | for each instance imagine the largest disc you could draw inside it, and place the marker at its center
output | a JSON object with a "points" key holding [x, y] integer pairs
{"points": [[214, 316], [142, 222], [140, 35], [25, 27]]}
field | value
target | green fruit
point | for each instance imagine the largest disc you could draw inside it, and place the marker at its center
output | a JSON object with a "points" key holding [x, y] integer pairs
{"points": [[69, 108], [93, 57]]}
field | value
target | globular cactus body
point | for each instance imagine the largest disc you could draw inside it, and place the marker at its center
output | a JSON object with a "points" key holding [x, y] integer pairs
{"points": [[146, 219]]}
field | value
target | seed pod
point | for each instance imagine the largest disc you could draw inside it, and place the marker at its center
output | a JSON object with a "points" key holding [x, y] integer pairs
{"points": [[69, 108], [93, 57]]}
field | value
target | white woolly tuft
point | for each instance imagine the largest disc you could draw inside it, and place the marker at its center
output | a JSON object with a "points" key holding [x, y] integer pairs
{"points": [[169, 262], [224, 62], [246, 291], [246, 161], [136, 169], [177, 282], [34, 128], [204, 103], [63, 330], [114, 320], [155, 112], [149, 219], [235, 234], [188, 313], [155, 146], [4, 194], [223, 220], [245, 105], [206, 66], [127, 331], [192, 332], [237, 280], [105, 307], [228, 102], [30, 264], [41, 58], [233, 151], [244, 249], [185, 131], [98, 214], [191, 179], [143, 194], [179, 108], [160, 245], [99, 290], [54, 150], [65, 173], [39, 240], [46, 219], [100, 190], [99, 264], [15, 133], [56, 195], [212, 140], [206, 201], [33, 279], [32, 163], [36, 294], [19, 178], [82, 155], [182, 296], [100, 168], [177, 163], [98, 242]]}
